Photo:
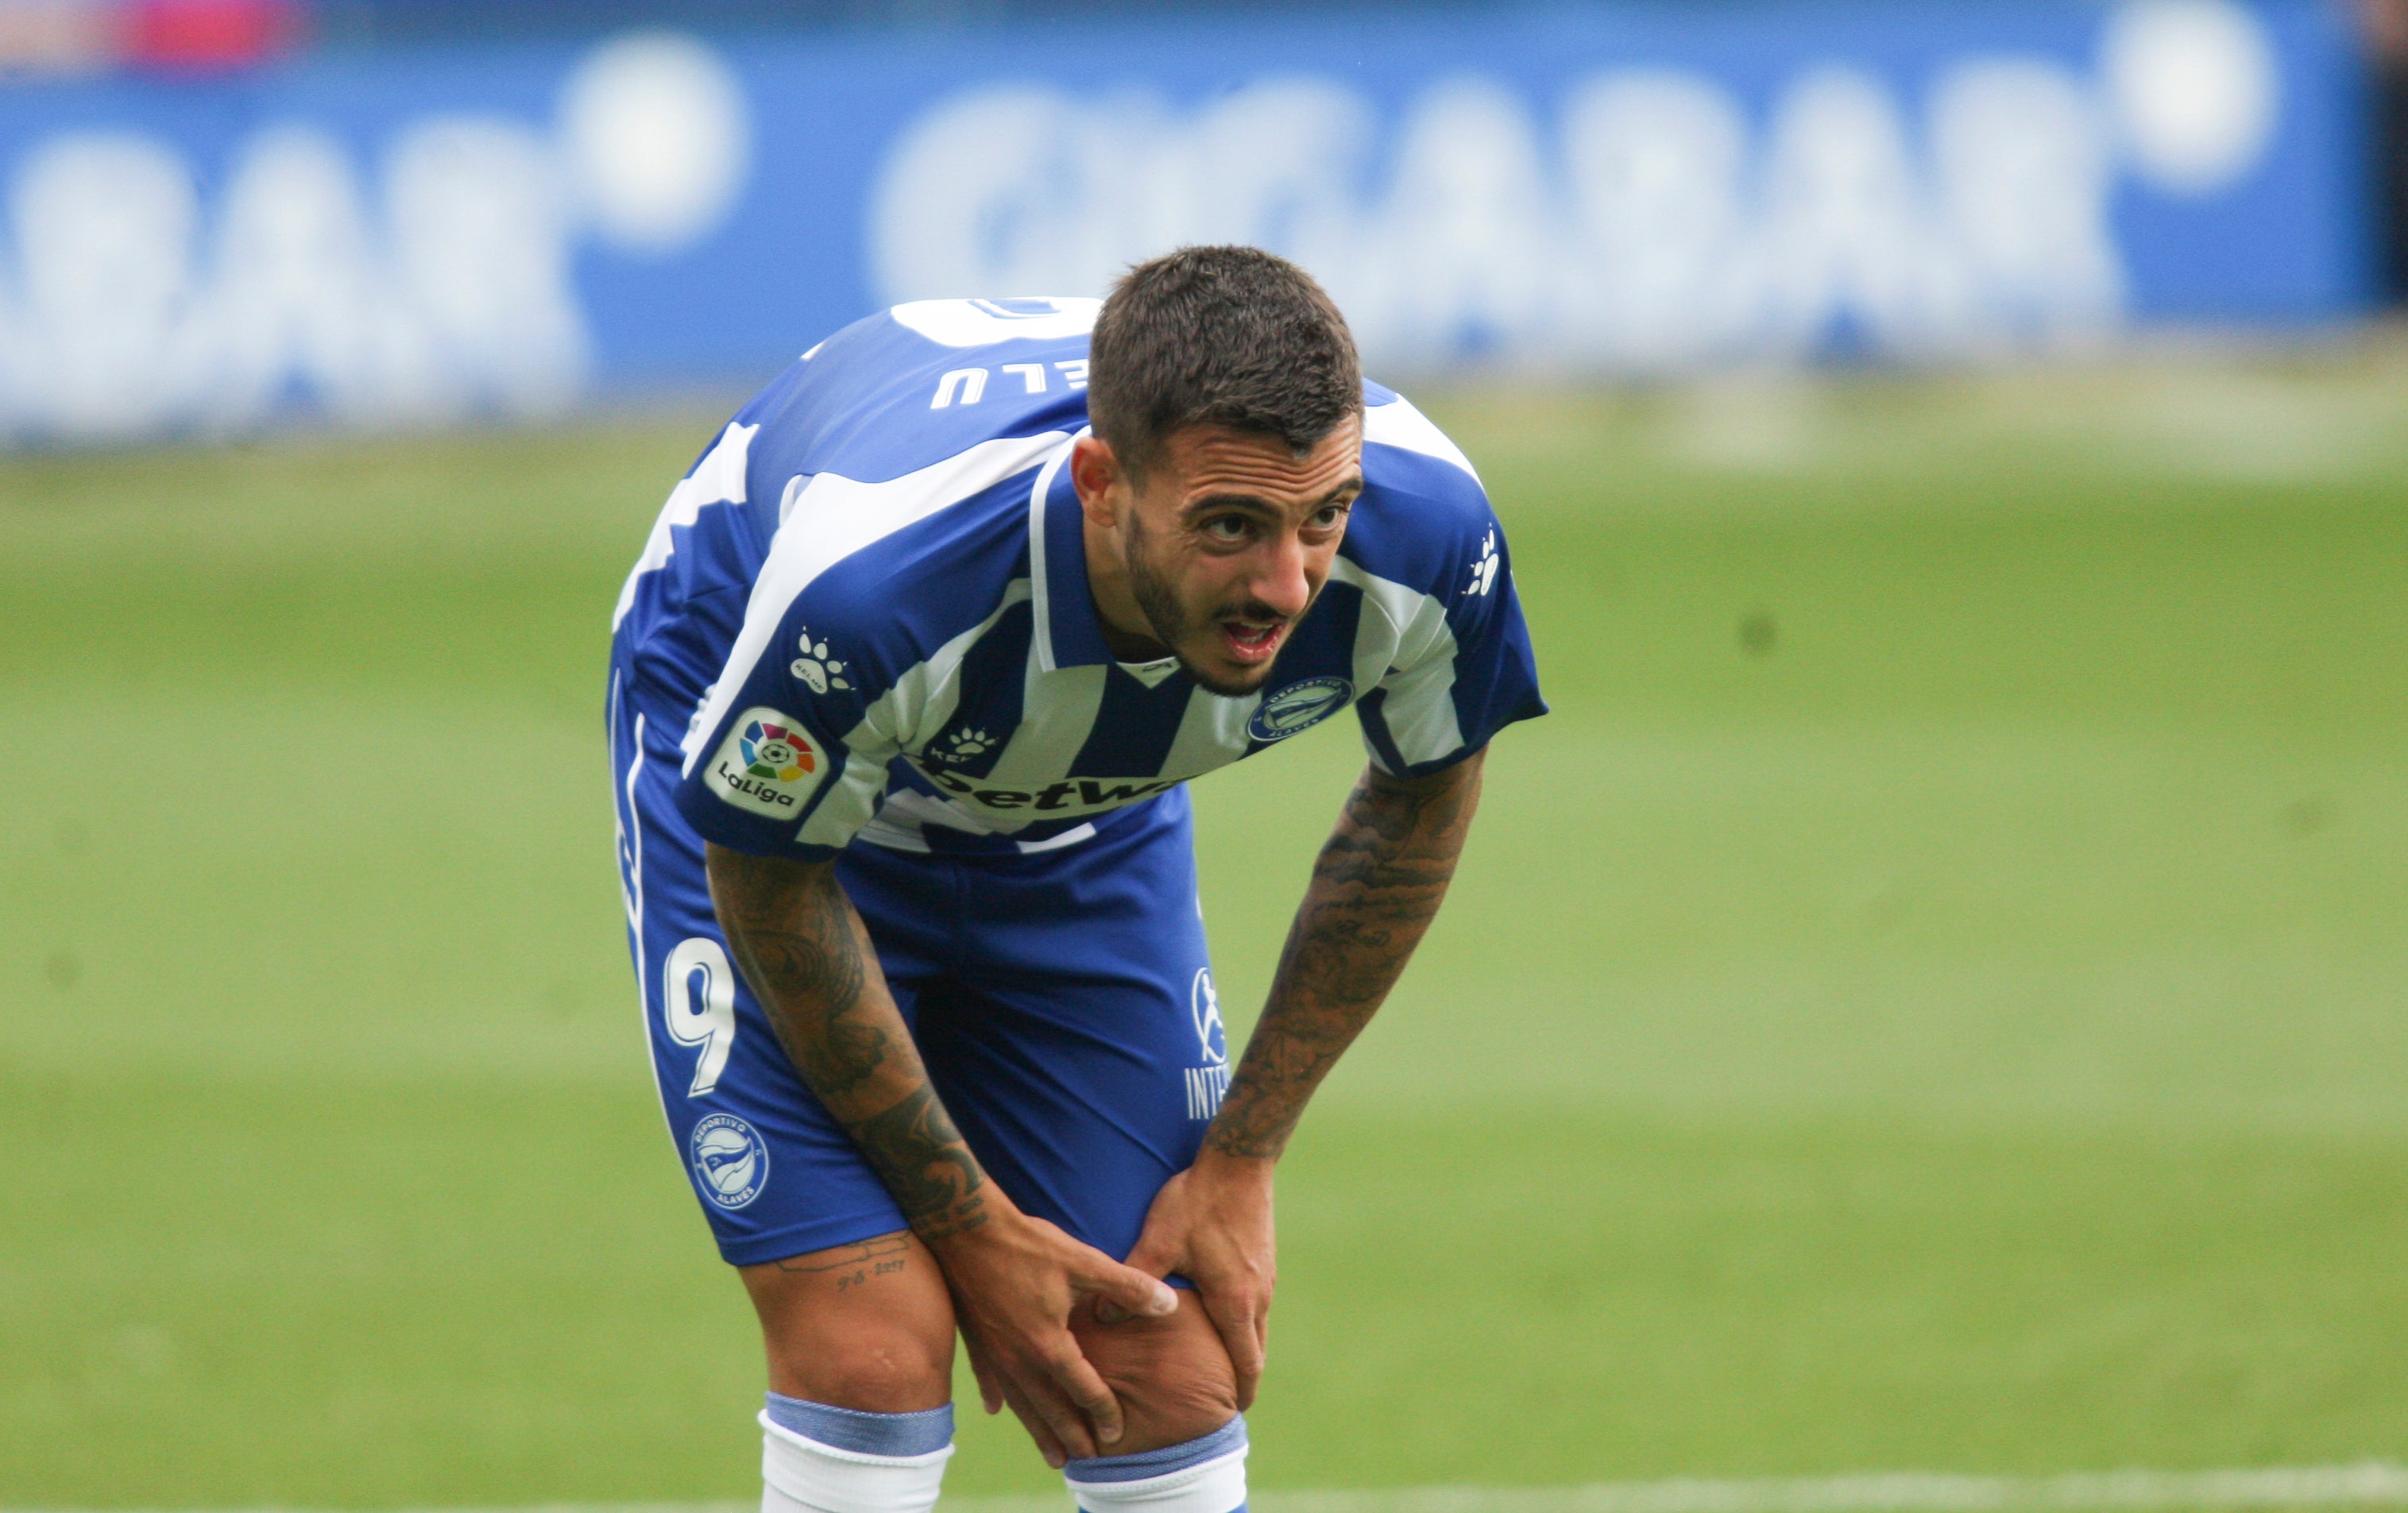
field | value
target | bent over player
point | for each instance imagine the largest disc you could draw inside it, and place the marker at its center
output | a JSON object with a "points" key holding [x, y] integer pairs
{"points": [[904, 693]]}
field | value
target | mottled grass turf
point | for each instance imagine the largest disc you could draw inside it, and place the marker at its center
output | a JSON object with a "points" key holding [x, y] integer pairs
{"points": [[1929, 998]]}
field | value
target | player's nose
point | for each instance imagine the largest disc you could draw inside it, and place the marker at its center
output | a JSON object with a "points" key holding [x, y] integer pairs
{"points": [[1282, 583]]}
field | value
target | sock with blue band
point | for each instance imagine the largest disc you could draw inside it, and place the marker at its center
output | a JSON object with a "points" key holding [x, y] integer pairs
{"points": [[1203, 1476], [817, 1458]]}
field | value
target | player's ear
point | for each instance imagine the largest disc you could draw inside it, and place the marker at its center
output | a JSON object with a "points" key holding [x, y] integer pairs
{"points": [[1097, 474]]}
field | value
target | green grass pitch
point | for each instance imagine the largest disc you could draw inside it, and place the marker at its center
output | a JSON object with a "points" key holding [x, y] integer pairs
{"points": [[1933, 996]]}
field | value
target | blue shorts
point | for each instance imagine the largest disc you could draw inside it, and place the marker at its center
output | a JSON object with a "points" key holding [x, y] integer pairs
{"points": [[1062, 1000]]}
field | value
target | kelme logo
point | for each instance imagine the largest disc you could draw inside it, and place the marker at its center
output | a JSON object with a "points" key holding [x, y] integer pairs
{"points": [[1298, 707], [767, 764]]}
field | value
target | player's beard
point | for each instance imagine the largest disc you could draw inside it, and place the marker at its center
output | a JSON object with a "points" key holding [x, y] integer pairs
{"points": [[1158, 599]]}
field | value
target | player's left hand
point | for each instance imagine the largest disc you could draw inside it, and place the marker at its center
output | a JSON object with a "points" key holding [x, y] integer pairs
{"points": [[1015, 1281], [1212, 1224]]}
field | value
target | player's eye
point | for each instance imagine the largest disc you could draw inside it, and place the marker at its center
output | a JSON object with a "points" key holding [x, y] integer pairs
{"points": [[1226, 528], [1329, 517]]}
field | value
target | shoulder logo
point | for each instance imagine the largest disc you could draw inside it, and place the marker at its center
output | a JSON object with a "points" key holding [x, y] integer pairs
{"points": [[767, 764], [1298, 707], [1483, 567], [731, 1160], [818, 671]]}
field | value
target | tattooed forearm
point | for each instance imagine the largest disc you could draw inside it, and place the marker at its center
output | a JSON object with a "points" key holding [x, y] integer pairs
{"points": [[800, 945], [1378, 883], [807, 955], [919, 1156]]}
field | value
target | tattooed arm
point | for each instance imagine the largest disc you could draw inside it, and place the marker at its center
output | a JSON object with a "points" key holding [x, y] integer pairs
{"points": [[804, 951], [1375, 888], [807, 958]]}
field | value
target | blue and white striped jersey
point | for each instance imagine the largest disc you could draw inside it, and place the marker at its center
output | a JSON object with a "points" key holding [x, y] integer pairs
{"points": [[873, 590]]}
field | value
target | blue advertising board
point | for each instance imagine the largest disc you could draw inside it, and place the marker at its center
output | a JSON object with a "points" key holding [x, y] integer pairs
{"points": [[1619, 190]]}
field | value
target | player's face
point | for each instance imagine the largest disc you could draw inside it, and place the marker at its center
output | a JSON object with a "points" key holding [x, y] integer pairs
{"points": [[1225, 545]]}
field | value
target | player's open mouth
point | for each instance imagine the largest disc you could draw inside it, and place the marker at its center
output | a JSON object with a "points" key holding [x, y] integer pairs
{"points": [[1252, 643]]}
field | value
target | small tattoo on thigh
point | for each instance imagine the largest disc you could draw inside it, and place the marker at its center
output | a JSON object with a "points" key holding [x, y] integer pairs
{"points": [[886, 1253]]}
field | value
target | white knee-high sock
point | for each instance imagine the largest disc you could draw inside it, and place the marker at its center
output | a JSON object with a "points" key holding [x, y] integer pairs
{"points": [[817, 1458], [1203, 1476]]}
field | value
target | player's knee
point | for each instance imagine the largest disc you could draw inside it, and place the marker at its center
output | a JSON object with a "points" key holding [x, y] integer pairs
{"points": [[867, 1332], [1173, 1376], [896, 1374], [1180, 1408]]}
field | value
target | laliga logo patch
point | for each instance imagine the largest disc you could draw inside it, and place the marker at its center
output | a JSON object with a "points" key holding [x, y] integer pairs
{"points": [[773, 752], [767, 764], [730, 1160], [1205, 1004], [1298, 707]]}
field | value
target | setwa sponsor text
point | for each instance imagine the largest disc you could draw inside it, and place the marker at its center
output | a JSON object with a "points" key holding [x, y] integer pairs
{"points": [[1056, 798]]}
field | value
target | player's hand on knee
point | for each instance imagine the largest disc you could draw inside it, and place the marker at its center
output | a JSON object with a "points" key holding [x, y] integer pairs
{"points": [[999, 1389], [1213, 1224], [1015, 1281]]}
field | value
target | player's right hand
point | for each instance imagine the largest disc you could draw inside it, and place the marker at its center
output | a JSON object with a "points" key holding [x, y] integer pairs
{"points": [[1015, 1281], [1213, 1224]]}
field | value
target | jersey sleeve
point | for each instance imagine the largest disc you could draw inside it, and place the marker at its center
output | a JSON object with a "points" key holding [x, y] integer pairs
{"points": [[788, 754], [1464, 668]]}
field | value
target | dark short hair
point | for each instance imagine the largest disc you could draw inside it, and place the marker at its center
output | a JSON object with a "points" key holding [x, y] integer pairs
{"points": [[1219, 335]]}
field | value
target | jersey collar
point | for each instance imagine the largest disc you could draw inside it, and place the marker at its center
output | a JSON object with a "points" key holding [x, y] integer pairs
{"points": [[1069, 629]]}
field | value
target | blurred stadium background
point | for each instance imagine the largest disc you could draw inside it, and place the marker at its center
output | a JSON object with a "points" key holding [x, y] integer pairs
{"points": [[1929, 1000]]}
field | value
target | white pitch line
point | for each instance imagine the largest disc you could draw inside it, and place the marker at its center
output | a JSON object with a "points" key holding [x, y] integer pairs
{"points": [[1896, 1493], [2372, 1485]]}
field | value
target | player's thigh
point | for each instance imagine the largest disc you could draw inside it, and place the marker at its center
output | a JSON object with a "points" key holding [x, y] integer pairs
{"points": [[1173, 1376], [1081, 1047], [777, 1176], [853, 1312], [867, 1326], [1076, 1041]]}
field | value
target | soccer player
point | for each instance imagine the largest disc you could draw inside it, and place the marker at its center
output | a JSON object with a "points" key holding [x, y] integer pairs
{"points": [[905, 690]]}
